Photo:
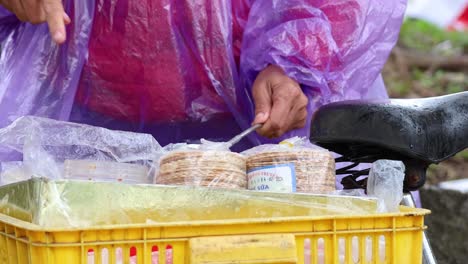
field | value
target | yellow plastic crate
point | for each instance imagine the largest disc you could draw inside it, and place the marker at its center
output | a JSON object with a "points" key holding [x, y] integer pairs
{"points": [[301, 237], [386, 238]]}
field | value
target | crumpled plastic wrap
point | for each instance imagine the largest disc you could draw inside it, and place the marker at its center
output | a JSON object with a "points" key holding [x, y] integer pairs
{"points": [[56, 150], [64, 204], [385, 182], [183, 70], [294, 165], [209, 164]]}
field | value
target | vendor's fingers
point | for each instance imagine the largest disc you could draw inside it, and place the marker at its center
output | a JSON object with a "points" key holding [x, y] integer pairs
{"points": [[299, 112], [261, 93], [287, 102], [17, 8], [55, 19], [66, 18], [7, 5], [284, 119], [300, 118], [34, 11], [277, 124]]}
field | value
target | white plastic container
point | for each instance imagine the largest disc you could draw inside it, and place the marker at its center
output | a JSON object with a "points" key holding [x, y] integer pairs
{"points": [[105, 171]]}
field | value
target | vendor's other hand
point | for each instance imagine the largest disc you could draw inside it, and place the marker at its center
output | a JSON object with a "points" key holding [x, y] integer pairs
{"points": [[280, 103], [40, 11]]}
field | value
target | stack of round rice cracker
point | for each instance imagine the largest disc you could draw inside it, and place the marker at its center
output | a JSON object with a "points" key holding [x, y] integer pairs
{"points": [[210, 168], [314, 170]]}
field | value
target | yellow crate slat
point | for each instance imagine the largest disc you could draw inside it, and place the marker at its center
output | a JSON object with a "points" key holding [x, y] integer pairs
{"points": [[272, 248]]}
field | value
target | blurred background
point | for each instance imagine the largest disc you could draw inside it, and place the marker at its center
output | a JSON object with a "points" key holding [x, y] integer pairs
{"points": [[431, 59]]}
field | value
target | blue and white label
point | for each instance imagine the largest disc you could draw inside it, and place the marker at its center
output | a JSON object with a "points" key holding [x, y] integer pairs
{"points": [[274, 178]]}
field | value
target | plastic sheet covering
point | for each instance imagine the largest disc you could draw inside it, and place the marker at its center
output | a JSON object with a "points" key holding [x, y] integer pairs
{"points": [[43, 146], [385, 182], [294, 165], [208, 164], [183, 70], [63, 204]]}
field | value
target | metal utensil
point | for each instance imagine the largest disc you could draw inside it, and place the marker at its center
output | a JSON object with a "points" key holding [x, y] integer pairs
{"points": [[238, 138]]}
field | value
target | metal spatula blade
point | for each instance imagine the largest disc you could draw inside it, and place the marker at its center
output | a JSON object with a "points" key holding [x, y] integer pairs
{"points": [[246, 132]]}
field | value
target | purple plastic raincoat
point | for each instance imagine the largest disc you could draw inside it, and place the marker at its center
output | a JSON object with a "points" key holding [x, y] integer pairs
{"points": [[183, 69]]}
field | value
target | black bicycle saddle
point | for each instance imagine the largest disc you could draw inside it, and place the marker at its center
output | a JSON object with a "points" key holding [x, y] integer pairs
{"points": [[429, 130]]}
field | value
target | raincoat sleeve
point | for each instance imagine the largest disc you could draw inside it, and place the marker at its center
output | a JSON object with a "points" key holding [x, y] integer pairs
{"points": [[38, 77], [334, 49]]}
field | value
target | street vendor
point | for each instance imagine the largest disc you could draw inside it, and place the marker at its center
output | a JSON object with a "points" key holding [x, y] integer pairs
{"points": [[182, 70]]}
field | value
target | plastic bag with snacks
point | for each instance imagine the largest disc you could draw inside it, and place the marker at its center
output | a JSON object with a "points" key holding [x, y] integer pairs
{"points": [[56, 149], [209, 164], [294, 165]]}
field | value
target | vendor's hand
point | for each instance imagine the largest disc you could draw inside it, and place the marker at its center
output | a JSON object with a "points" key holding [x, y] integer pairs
{"points": [[280, 103], [39, 11]]}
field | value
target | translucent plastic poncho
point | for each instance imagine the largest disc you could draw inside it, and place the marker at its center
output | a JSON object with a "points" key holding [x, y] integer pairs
{"points": [[183, 69]]}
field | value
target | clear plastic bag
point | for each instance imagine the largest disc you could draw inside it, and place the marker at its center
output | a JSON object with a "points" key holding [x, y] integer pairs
{"points": [[208, 164], [65, 204], [385, 182], [44, 146], [295, 165], [12, 172]]}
